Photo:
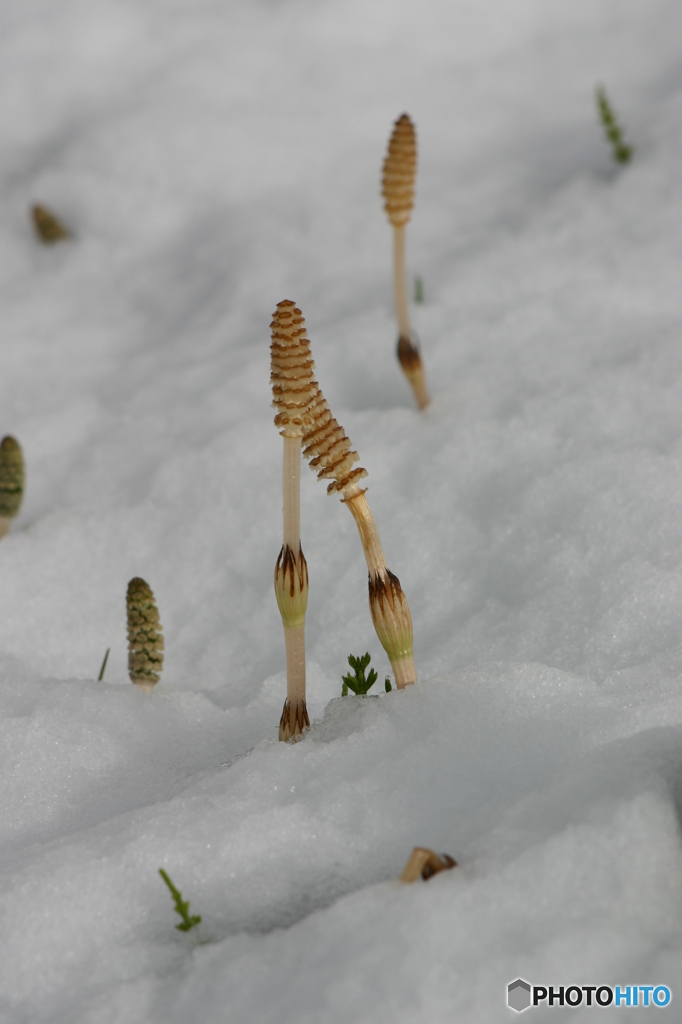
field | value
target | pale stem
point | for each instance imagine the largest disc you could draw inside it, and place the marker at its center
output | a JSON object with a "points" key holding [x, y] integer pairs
{"points": [[292, 493], [5, 523], [421, 392], [404, 671], [416, 863], [147, 687], [369, 535], [294, 638], [400, 281]]}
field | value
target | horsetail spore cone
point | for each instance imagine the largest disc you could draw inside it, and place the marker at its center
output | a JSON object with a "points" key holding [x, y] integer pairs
{"points": [[397, 188], [11, 481], [330, 453], [293, 388], [145, 640]]}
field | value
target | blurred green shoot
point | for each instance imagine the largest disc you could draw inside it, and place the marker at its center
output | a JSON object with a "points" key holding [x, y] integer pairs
{"points": [[621, 151], [418, 290], [100, 677], [357, 682], [181, 906], [387, 685]]}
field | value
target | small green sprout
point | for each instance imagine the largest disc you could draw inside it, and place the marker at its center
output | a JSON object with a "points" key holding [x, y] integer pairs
{"points": [[621, 151], [387, 685], [181, 906], [100, 677], [357, 682]]}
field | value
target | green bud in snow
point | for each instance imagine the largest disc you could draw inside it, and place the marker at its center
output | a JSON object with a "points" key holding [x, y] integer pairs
{"points": [[11, 481], [145, 641]]}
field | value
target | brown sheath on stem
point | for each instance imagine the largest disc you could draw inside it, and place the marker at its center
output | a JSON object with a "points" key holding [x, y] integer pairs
{"points": [[293, 389], [410, 359], [397, 188], [291, 591]]}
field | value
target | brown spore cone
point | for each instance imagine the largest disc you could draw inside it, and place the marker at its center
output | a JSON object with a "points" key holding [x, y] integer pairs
{"points": [[302, 409], [145, 640], [400, 169], [329, 450], [291, 369]]}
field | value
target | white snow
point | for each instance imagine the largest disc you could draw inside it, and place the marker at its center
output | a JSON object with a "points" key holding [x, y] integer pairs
{"points": [[212, 159]]}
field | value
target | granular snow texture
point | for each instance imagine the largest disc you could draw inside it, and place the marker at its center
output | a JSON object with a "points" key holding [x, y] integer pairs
{"points": [[211, 159]]}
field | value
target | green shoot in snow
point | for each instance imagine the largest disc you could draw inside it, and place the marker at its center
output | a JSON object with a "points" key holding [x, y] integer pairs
{"points": [[387, 685], [181, 906], [357, 682], [100, 677], [621, 152]]}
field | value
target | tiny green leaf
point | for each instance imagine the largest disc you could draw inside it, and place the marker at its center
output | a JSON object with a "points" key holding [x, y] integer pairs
{"points": [[100, 677], [181, 906], [357, 682], [387, 685]]}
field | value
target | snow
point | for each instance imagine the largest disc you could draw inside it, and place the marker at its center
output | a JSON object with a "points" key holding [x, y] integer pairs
{"points": [[212, 159]]}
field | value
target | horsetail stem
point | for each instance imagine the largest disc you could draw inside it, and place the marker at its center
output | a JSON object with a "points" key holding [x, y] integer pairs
{"points": [[291, 376], [397, 188], [331, 455]]}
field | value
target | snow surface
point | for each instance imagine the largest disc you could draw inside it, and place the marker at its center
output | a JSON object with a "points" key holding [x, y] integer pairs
{"points": [[211, 159]]}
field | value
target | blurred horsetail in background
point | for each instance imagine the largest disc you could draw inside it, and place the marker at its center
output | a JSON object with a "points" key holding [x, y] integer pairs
{"points": [[397, 188], [48, 226], [11, 481]]}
